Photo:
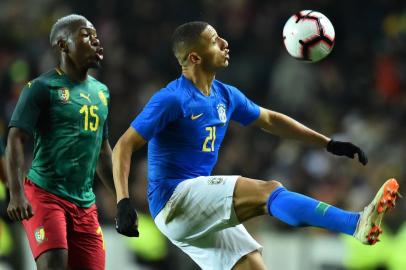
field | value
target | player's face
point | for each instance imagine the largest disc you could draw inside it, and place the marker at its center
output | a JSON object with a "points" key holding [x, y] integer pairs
{"points": [[215, 52], [85, 49]]}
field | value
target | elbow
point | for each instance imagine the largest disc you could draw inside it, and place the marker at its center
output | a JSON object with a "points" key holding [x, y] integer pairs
{"points": [[16, 135], [268, 123], [117, 149]]}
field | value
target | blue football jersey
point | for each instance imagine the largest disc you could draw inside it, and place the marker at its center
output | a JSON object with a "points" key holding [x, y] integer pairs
{"points": [[184, 130]]}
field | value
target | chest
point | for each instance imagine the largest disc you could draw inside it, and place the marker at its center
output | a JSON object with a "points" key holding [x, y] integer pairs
{"points": [[204, 118], [80, 106]]}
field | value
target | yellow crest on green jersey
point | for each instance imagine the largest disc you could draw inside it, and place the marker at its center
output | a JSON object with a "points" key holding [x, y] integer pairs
{"points": [[103, 98], [63, 95]]}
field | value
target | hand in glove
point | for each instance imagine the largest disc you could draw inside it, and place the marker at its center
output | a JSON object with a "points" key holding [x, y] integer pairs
{"points": [[346, 149], [127, 219]]}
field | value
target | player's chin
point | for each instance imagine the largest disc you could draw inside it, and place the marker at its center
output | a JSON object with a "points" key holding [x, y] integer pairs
{"points": [[95, 64]]}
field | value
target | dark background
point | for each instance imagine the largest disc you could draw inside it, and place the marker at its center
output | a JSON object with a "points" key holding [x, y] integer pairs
{"points": [[357, 93]]}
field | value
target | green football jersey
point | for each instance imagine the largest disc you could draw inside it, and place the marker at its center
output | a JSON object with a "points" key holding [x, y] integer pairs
{"points": [[68, 123]]}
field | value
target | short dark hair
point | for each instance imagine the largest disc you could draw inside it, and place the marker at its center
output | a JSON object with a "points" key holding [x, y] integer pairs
{"points": [[61, 25], [185, 37]]}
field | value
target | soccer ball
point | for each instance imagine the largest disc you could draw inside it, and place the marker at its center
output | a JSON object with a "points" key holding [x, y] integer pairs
{"points": [[308, 35]]}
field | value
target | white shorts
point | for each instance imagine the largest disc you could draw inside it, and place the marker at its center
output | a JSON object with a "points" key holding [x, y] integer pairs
{"points": [[199, 218]]}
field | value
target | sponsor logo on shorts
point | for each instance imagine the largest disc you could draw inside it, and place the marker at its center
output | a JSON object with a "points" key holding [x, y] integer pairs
{"points": [[40, 235], [215, 180]]}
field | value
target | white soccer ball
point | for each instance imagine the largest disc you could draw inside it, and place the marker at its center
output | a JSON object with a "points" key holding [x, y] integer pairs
{"points": [[309, 36]]}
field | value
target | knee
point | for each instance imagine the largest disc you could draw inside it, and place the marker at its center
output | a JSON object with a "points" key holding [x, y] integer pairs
{"points": [[252, 260], [269, 186], [266, 188], [53, 260]]}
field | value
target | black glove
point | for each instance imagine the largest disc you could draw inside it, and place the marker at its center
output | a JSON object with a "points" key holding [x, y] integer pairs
{"points": [[127, 219], [346, 149]]}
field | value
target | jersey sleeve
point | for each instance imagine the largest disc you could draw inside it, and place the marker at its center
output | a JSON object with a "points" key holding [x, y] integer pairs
{"points": [[245, 111], [33, 98], [107, 101], [163, 108]]}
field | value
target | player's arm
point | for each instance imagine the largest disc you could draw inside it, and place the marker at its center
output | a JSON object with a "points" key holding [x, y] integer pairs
{"points": [[19, 207], [284, 126], [2, 170], [2, 165], [104, 167], [33, 99], [130, 141]]}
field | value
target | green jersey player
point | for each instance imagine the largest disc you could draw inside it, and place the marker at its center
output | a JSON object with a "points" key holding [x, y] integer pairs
{"points": [[65, 110]]}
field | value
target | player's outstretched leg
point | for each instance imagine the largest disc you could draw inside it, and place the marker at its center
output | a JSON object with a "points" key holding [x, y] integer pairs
{"points": [[299, 210], [369, 224]]}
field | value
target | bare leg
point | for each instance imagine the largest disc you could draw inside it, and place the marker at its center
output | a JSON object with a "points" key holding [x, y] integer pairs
{"points": [[54, 259], [251, 261], [251, 196]]}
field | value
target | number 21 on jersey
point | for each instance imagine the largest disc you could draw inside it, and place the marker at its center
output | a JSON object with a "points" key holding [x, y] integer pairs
{"points": [[208, 145], [90, 112]]}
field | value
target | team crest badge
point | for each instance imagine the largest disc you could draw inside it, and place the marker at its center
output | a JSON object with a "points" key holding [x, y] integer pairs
{"points": [[63, 95], [40, 235], [103, 98], [221, 110]]}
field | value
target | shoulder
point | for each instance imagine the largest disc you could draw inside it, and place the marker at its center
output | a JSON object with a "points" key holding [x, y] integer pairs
{"points": [[168, 96], [39, 85], [98, 83], [226, 90], [225, 86], [44, 82], [173, 92], [49, 78]]}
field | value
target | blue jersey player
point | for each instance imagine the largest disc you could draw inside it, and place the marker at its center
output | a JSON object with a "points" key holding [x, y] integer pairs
{"points": [[184, 124]]}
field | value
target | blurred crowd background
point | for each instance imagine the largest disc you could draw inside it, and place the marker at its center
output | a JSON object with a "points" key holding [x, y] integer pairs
{"points": [[358, 93]]}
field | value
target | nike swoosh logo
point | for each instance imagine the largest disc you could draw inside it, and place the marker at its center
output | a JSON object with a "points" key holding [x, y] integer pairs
{"points": [[86, 97], [194, 117]]}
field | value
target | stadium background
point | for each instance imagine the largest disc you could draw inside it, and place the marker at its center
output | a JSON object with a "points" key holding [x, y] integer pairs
{"points": [[358, 93]]}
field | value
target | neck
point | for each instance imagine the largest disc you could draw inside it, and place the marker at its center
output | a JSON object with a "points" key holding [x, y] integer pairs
{"points": [[201, 79], [73, 72]]}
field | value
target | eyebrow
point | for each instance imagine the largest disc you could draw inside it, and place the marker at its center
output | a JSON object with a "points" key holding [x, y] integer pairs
{"points": [[87, 29]]}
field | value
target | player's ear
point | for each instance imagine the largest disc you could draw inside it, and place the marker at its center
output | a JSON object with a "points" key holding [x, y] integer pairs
{"points": [[62, 46], [194, 58]]}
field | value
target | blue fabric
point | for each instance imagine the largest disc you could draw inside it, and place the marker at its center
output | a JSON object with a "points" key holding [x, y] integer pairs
{"points": [[184, 130], [298, 210]]}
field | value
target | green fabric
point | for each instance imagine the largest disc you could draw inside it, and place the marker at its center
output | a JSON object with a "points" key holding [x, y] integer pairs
{"points": [[68, 122], [151, 245], [322, 208]]}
